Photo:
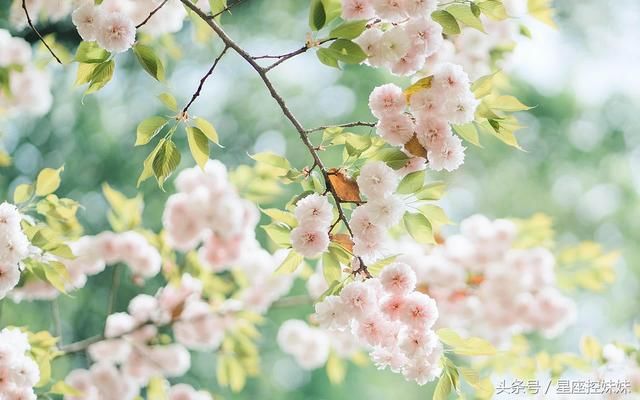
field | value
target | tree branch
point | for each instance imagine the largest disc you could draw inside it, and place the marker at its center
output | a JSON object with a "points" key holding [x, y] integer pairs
{"points": [[152, 13], [26, 13], [284, 57], [346, 125], [204, 79], [302, 132], [227, 8]]}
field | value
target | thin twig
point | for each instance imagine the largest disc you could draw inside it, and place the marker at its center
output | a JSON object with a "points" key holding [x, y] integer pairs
{"points": [[227, 8], [346, 125], [26, 12], [302, 132], [152, 13], [203, 80], [284, 57]]}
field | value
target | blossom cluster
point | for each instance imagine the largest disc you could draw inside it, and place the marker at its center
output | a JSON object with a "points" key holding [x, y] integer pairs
{"points": [[51, 10], [92, 255], [311, 346], [485, 287], [19, 373], [105, 382], [313, 214], [473, 49], [14, 247], [401, 35], [390, 318], [113, 23], [207, 209], [370, 221], [28, 88], [447, 100]]}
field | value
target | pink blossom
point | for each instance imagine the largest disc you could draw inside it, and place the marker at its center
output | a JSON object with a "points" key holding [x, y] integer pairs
{"points": [[386, 101], [398, 279], [310, 241], [330, 313], [358, 299], [357, 9], [449, 156], [116, 32], [419, 311]]}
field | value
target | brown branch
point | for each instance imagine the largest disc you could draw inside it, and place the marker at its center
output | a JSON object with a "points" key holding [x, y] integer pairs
{"points": [[227, 8], [26, 13], [302, 132], [204, 79], [347, 125], [155, 10], [284, 57]]}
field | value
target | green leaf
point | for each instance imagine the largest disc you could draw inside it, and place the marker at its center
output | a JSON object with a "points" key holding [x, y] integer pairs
{"points": [[332, 9], [542, 10], [281, 216], [349, 29], [207, 128], [199, 145], [393, 157], [91, 53], [465, 347], [148, 129], [290, 263], [483, 86], [273, 160], [336, 369], [216, 7], [149, 60], [48, 181], [317, 15], [349, 51], [377, 267], [331, 267], [328, 57], [590, 348], [468, 132], [147, 170], [493, 9], [100, 76], [464, 14], [279, 233], [57, 275], [165, 161], [443, 388], [431, 191], [85, 71], [436, 216], [447, 20], [418, 86], [22, 193], [64, 389], [169, 101], [419, 227], [157, 389], [507, 103], [411, 183], [237, 375]]}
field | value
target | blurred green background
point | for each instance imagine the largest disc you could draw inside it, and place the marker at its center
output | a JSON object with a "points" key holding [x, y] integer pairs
{"points": [[579, 166]]}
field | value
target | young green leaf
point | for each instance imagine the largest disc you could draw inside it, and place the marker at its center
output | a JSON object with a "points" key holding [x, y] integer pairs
{"points": [[317, 15], [447, 21], [349, 52], [91, 53], [493, 9], [291, 263], [468, 132], [198, 145], [23, 192], [165, 161], [328, 57], [148, 129], [207, 128], [169, 101], [411, 183], [349, 29], [48, 181], [419, 227], [463, 13], [330, 267], [149, 60], [100, 76]]}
